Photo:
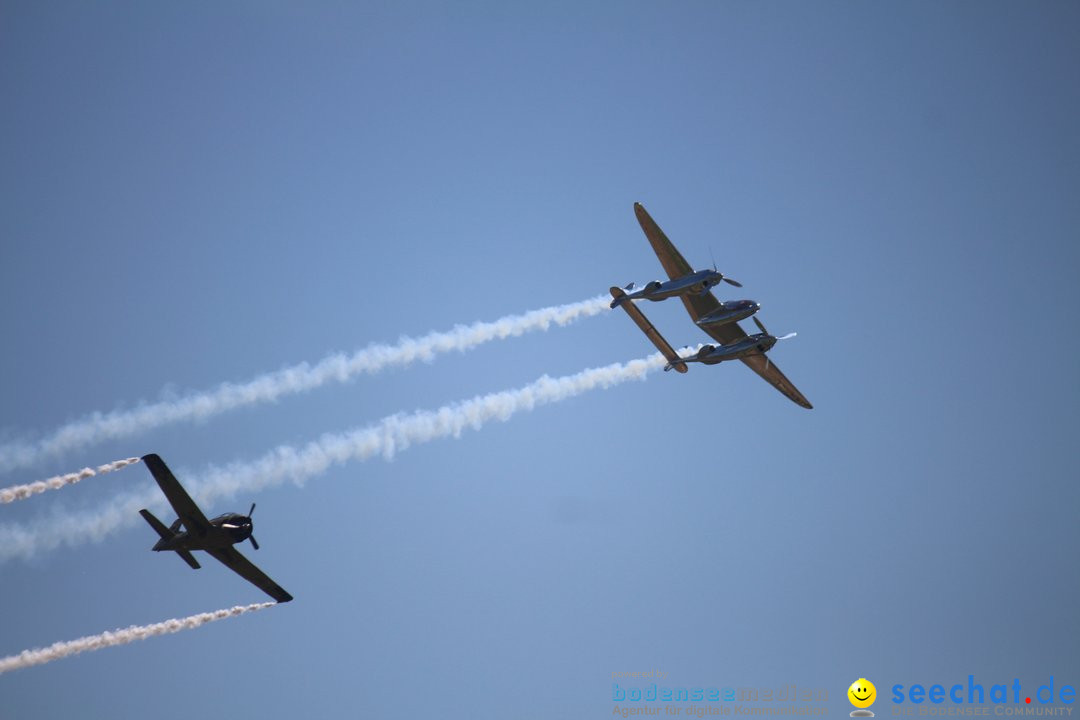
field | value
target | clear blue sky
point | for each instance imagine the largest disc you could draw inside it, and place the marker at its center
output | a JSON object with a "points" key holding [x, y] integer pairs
{"points": [[191, 194]]}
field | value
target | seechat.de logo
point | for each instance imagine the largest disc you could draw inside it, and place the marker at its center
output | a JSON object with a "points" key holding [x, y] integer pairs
{"points": [[978, 693]]}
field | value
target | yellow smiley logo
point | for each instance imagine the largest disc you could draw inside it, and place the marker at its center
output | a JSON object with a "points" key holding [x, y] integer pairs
{"points": [[862, 693]]}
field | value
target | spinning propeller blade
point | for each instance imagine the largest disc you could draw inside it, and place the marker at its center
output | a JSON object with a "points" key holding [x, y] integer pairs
{"points": [[252, 537], [728, 280]]}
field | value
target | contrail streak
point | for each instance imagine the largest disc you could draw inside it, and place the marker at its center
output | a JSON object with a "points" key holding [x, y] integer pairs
{"points": [[385, 438], [299, 378], [60, 650], [21, 492]]}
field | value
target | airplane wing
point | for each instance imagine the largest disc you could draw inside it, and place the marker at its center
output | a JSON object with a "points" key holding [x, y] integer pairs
{"points": [[650, 331], [767, 369], [700, 305], [186, 509], [243, 567]]}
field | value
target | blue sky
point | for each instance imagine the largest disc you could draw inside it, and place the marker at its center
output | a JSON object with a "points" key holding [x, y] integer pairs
{"points": [[193, 195]]}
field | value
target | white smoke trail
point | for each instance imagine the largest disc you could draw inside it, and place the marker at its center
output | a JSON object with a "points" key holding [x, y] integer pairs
{"points": [[60, 650], [399, 432], [21, 492], [299, 378], [385, 438]]}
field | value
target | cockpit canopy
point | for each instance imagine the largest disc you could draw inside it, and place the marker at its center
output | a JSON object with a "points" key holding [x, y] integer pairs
{"points": [[232, 519]]}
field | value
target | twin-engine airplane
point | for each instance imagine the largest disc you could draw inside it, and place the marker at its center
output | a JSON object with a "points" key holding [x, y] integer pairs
{"points": [[216, 536], [719, 320]]}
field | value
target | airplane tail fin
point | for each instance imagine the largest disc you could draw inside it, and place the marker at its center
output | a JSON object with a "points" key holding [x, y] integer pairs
{"points": [[167, 534]]}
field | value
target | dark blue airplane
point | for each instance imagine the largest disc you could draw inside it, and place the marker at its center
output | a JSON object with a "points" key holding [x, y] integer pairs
{"points": [[216, 537]]}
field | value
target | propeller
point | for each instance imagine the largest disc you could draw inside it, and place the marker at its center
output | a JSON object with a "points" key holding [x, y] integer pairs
{"points": [[254, 544], [726, 279], [762, 329]]}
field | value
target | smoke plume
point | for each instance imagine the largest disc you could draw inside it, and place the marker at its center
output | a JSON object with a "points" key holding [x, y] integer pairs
{"points": [[60, 650], [21, 492], [386, 438], [287, 381]]}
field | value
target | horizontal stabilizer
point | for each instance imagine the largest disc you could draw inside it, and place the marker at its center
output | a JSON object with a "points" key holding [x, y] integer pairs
{"points": [[674, 361], [168, 534], [618, 295], [158, 526], [188, 558]]}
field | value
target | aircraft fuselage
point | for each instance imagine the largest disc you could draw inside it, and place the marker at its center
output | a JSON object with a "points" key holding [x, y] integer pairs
{"points": [[225, 530], [729, 311]]}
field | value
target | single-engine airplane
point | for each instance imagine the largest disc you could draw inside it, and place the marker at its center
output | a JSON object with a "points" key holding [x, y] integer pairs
{"points": [[719, 320], [216, 536]]}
